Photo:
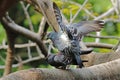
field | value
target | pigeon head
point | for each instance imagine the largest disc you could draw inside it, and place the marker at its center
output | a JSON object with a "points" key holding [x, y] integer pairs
{"points": [[52, 35]]}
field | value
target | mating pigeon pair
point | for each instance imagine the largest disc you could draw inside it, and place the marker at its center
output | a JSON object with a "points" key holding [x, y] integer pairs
{"points": [[67, 41]]}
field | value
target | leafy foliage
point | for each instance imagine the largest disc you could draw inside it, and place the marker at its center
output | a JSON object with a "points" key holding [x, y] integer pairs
{"points": [[69, 8]]}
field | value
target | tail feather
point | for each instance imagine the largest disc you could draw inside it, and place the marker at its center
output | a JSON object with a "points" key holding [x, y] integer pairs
{"points": [[78, 60], [87, 51]]}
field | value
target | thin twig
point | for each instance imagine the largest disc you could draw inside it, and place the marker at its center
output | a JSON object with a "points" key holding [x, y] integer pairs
{"points": [[34, 44], [29, 51], [117, 47], [42, 25], [19, 59], [24, 62], [49, 49], [78, 11], [115, 4], [87, 11], [103, 37], [2, 58], [107, 13], [25, 32], [27, 15], [99, 45]]}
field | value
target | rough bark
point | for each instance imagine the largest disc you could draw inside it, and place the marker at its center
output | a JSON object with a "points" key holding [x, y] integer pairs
{"points": [[105, 71], [98, 58], [10, 50], [9, 60], [93, 59]]}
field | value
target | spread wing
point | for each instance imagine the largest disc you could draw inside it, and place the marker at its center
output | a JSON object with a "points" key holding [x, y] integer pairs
{"points": [[60, 21], [58, 16], [84, 27], [76, 30]]}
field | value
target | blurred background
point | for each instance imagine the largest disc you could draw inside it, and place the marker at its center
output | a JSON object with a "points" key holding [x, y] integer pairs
{"points": [[74, 11]]}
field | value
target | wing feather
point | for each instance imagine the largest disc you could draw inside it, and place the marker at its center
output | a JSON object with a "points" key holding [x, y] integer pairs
{"points": [[79, 29], [58, 16]]}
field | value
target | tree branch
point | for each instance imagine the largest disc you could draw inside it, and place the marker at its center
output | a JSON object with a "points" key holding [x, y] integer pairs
{"points": [[10, 50], [24, 62], [93, 59], [87, 11], [99, 58], [26, 33], [99, 45], [79, 11], [109, 71], [107, 13], [103, 37], [88, 44], [27, 15], [46, 7]]}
